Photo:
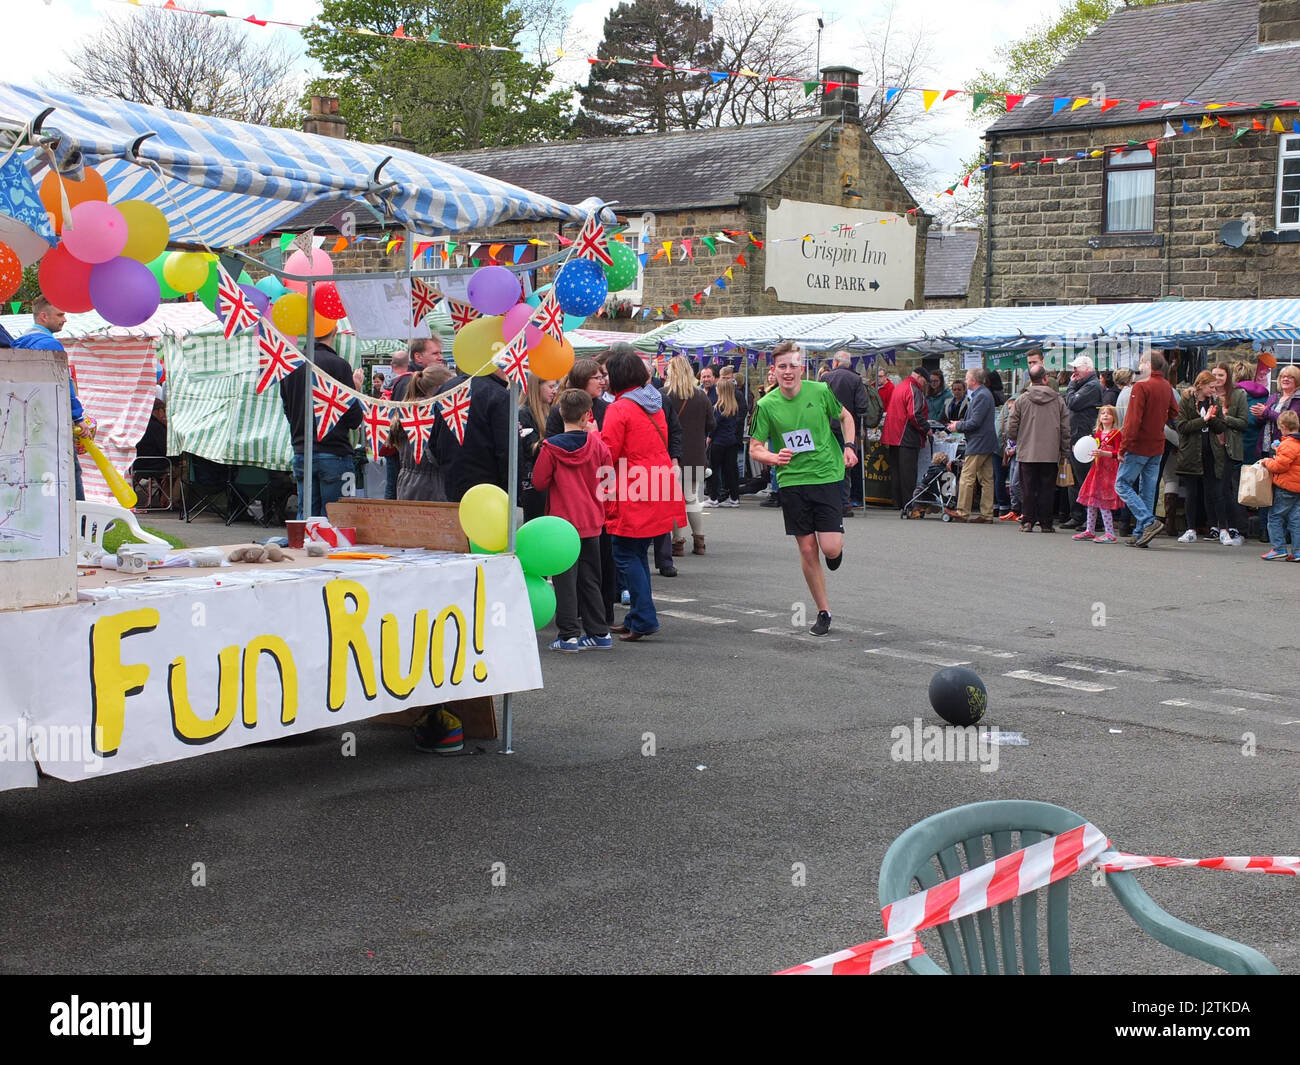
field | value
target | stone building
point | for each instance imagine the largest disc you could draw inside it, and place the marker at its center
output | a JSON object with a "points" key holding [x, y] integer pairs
{"points": [[849, 241], [1212, 212]]}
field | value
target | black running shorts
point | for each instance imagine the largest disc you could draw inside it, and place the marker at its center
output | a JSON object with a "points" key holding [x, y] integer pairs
{"points": [[812, 508]]}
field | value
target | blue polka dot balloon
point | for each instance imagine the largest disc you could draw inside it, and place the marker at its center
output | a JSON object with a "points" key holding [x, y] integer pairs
{"points": [[580, 287]]}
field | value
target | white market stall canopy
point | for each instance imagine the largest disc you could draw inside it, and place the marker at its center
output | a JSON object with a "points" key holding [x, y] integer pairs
{"points": [[1175, 323], [223, 183]]}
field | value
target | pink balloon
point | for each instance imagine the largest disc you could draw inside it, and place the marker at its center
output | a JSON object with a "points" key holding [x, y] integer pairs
{"points": [[97, 232], [318, 264], [516, 319]]}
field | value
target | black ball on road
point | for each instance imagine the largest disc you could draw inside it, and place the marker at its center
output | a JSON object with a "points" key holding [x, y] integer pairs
{"points": [[958, 695]]}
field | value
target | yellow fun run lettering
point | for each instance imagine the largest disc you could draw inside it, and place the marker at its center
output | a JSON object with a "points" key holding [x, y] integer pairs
{"points": [[187, 726], [111, 680], [278, 652], [347, 636], [396, 682], [437, 647]]}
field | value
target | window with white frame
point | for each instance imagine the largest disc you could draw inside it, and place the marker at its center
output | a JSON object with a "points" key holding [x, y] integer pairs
{"points": [[632, 237], [1288, 183], [1130, 205]]}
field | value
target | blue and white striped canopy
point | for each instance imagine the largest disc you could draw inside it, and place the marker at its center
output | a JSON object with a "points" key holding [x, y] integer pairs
{"points": [[228, 182], [1206, 322]]}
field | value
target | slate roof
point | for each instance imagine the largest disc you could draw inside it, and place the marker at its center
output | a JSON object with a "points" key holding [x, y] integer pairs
{"points": [[1202, 52], [653, 171], [949, 257]]}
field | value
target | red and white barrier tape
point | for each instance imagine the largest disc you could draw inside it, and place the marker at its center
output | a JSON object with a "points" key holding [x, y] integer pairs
{"points": [[999, 881]]}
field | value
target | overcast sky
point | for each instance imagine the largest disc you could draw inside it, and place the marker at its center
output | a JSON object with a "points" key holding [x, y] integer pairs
{"points": [[961, 37]]}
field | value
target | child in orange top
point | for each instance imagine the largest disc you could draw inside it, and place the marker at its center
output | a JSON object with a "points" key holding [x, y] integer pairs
{"points": [[1098, 489], [1284, 518]]}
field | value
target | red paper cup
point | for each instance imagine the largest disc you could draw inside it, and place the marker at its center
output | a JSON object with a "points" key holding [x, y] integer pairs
{"points": [[297, 530]]}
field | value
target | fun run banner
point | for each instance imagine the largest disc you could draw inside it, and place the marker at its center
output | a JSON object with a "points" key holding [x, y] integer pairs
{"points": [[164, 669]]}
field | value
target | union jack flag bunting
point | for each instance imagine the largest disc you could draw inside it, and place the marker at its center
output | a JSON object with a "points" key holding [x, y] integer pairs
{"points": [[454, 407], [549, 317], [276, 357], [329, 402], [424, 298], [591, 242], [417, 421], [239, 311], [461, 314], [375, 421], [514, 360]]}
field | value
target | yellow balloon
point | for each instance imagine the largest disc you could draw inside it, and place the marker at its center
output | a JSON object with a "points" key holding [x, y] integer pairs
{"points": [[483, 515], [147, 230], [474, 347], [289, 314], [185, 271]]}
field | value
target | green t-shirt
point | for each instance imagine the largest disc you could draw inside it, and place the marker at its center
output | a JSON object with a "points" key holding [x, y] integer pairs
{"points": [[807, 415]]}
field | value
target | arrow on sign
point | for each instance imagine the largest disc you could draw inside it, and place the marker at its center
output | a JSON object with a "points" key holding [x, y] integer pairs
{"points": [[874, 285]]}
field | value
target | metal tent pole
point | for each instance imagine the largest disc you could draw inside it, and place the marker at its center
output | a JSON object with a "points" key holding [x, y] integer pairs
{"points": [[512, 491], [309, 422]]}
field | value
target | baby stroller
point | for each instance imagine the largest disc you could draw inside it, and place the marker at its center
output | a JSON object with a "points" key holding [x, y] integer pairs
{"points": [[939, 483]]}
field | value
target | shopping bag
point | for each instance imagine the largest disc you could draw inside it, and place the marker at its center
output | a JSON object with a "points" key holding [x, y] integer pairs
{"points": [[1064, 474], [1256, 488]]}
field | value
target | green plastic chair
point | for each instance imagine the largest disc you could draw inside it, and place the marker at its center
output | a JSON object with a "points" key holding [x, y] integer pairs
{"points": [[971, 944]]}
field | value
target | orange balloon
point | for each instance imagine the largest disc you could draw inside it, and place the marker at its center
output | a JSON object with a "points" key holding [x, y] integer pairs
{"points": [[92, 188], [550, 359]]}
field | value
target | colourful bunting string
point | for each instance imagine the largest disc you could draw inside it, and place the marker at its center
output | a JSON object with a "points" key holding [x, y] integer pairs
{"points": [[416, 421], [329, 402], [454, 408], [375, 421]]}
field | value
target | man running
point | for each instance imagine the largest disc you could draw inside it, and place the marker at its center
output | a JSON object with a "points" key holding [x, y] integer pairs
{"points": [[810, 467]]}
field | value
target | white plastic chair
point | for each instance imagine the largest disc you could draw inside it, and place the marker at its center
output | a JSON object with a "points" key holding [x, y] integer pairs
{"points": [[95, 519]]}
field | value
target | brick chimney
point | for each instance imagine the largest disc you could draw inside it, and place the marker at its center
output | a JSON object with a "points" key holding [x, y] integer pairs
{"points": [[843, 100], [324, 118], [1279, 21], [397, 139]]}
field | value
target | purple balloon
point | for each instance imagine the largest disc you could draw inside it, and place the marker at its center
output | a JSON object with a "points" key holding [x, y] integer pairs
{"points": [[260, 299], [123, 291], [493, 290]]}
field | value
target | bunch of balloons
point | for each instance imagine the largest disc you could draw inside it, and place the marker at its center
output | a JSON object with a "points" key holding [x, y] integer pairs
{"points": [[102, 262], [289, 309], [544, 546], [495, 293]]}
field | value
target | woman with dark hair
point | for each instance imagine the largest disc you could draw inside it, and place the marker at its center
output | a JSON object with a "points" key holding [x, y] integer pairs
{"points": [[588, 375], [423, 480], [1109, 389], [647, 496]]}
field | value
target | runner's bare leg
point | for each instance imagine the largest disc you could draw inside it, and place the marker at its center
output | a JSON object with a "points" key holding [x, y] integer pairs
{"points": [[811, 561]]}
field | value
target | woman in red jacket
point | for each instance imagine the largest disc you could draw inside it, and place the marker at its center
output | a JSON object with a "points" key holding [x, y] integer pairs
{"points": [[644, 498]]}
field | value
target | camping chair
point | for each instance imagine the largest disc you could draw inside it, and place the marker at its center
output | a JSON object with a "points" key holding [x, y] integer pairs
{"points": [[206, 485], [154, 477], [249, 485], [95, 519], [970, 943]]}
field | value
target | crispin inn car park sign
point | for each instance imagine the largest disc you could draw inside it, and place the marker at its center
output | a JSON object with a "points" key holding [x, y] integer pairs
{"points": [[840, 257]]}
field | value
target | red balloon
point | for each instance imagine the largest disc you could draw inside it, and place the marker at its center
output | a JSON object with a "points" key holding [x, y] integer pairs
{"points": [[11, 272], [328, 304], [65, 281]]}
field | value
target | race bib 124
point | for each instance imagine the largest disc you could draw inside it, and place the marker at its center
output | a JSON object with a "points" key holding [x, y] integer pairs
{"points": [[799, 441]]}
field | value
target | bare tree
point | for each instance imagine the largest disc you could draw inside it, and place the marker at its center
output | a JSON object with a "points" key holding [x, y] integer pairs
{"points": [[774, 39], [187, 63]]}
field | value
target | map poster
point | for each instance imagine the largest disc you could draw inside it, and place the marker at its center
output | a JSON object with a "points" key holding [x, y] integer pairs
{"points": [[35, 467]]}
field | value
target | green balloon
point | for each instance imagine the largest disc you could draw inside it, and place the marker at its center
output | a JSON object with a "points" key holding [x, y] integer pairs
{"points": [[623, 273], [474, 549], [541, 597], [207, 292], [547, 546], [165, 291]]}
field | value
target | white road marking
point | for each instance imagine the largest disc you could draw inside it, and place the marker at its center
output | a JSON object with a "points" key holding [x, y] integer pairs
{"points": [[913, 656], [795, 634], [1240, 694], [972, 648], [746, 610], [1126, 674], [671, 598], [1058, 682], [686, 615], [1197, 704]]}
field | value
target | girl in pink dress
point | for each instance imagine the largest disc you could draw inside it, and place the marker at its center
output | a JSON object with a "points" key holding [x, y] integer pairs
{"points": [[1098, 491]]}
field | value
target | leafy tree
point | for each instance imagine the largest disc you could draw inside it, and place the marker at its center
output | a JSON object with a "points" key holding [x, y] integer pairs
{"points": [[635, 98], [448, 98], [189, 63], [774, 38]]}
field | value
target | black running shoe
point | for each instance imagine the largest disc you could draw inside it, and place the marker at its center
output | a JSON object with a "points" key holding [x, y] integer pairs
{"points": [[822, 625], [833, 564]]}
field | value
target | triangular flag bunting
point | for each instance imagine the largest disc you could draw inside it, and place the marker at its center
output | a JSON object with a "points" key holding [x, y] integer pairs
{"points": [[329, 402], [424, 298], [276, 357], [810, 87], [461, 314], [1106, 105], [375, 421], [1206, 122], [949, 94], [1060, 103], [708, 242], [719, 75], [237, 309], [1277, 125], [978, 98], [549, 317], [454, 408], [1013, 99], [890, 94], [1170, 131], [1141, 106], [727, 273], [725, 239], [740, 259], [1257, 124], [417, 421], [657, 62], [928, 97], [592, 243], [1080, 101], [513, 359], [668, 248], [1187, 126], [686, 244]]}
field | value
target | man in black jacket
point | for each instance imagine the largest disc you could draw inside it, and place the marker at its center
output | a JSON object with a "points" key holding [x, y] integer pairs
{"points": [[482, 458], [1083, 398], [851, 391], [332, 466]]}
